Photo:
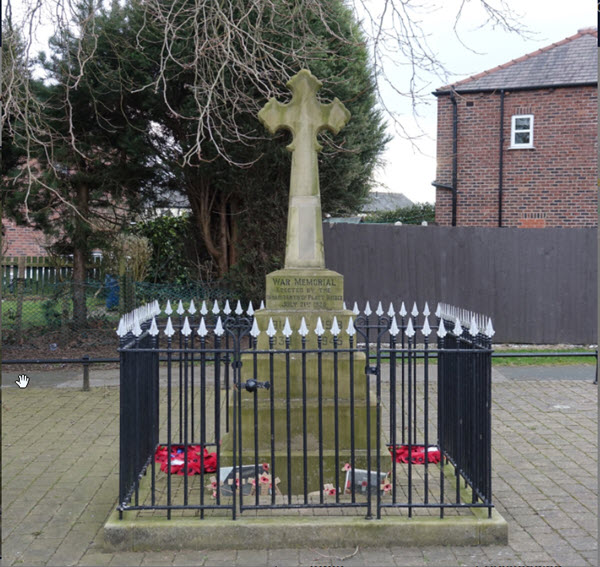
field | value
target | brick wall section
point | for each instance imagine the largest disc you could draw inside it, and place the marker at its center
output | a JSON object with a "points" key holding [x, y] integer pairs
{"points": [[551, 185], [22, 240]]}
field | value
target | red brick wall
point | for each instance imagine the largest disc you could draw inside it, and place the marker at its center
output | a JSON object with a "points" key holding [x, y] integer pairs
{"points": [[551, 185], [22, 240]]}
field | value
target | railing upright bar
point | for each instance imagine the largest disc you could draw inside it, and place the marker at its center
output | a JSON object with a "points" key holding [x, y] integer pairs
{"points": [[272, 404], [288, 425], [352, 423], [304, 422], [320, 385]]}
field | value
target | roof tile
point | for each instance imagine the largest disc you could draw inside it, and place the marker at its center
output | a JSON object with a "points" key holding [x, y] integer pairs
{"points": [[572, 61]]}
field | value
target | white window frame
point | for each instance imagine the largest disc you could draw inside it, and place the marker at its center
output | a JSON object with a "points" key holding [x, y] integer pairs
{"points": [[513, 131]]}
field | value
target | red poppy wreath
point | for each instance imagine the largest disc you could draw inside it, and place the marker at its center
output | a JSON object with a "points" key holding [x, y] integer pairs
{"points": [[417, 454], [178, 459]]}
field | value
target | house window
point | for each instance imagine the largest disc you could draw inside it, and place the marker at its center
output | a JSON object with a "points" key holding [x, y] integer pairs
{"points": [[521, 133]]}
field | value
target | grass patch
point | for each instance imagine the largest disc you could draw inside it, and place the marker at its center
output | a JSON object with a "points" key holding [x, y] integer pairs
{"points": [[542, 360], [45, 312]]}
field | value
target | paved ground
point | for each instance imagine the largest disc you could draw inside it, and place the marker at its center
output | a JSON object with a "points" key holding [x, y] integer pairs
{"points": [[59, 477]]}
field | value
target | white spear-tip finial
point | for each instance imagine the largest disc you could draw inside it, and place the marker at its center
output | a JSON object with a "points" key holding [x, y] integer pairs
{"points": [[394, 330], [414, 311], [219, 330], [180, 309], [192, 308], [168, 308], [203, 308], [426, 311], [379, 311], [238, 308], [202, 330], [122, 328], [227, 308], [355, 309], [403, 310], [458, 330], [391, 311], [410, 330], [367, 311], [250, 310], [350, 330], [153, 331], [271, 331], [441, 332], [169, 330], [473, 329], [137, 329], [186, 330], [319, 329], [489, 329], [287, 329], [426, 330], [335, 328], [303, 330], [216, 309], [255, 331]]}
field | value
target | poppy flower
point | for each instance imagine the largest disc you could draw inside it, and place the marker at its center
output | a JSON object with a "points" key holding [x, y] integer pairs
{"points": [[331, 492], [386, 487], [265, 466], [346, 467], [265, 478]]}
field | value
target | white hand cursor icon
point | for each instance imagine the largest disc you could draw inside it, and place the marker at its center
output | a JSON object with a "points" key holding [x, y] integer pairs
{"points": [[23, 381]]}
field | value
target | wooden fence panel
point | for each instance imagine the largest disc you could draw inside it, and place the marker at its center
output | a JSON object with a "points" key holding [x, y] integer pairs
{"points": [[538, 285]]}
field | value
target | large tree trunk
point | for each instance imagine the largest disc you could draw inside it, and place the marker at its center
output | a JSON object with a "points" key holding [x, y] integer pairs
{"points": [[80, 249], [211, 215]]}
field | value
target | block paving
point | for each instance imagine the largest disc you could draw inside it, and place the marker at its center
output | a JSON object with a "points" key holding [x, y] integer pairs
{"points": [[60, 480]]}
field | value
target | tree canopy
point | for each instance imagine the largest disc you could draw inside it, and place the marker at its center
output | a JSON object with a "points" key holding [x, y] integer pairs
{"points": [[144, 95]]}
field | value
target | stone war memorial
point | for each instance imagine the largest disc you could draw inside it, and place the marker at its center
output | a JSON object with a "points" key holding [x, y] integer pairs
{"points": [[304, 423]]}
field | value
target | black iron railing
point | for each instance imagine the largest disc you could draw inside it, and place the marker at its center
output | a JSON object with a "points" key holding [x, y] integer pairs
{"points": [[360, 420]]}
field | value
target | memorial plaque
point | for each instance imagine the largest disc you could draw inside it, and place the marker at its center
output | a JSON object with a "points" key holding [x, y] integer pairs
{"points": [[301, 290]]}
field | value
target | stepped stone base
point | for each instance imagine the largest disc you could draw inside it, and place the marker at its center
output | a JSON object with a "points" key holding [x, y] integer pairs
{"points": [[294, 528]]}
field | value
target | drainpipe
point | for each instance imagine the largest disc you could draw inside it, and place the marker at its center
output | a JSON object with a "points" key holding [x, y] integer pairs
{"points": [[454, 154], [454, 158], [500, 158]]}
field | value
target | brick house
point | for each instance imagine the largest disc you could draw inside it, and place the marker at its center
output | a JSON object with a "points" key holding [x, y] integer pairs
{"points": [[517, 145], [22, 240]]}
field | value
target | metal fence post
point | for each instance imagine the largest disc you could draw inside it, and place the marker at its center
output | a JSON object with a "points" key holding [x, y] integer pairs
{"points": [[86, 372]]}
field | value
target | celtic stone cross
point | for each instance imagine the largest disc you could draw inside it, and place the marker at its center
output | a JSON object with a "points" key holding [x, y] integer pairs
{"points": [[305, 117]]}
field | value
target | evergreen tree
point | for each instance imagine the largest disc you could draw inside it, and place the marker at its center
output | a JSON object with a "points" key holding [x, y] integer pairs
{"points": [[91, 160], [237, 179]]}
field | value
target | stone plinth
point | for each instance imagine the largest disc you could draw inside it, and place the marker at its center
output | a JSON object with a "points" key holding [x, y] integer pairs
{"points": [[310, 293], [307, 388]]}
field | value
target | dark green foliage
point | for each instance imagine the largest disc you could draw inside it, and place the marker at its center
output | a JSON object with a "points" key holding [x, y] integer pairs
{"points": [[416, 214], [50, 311], [175, 251]]}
